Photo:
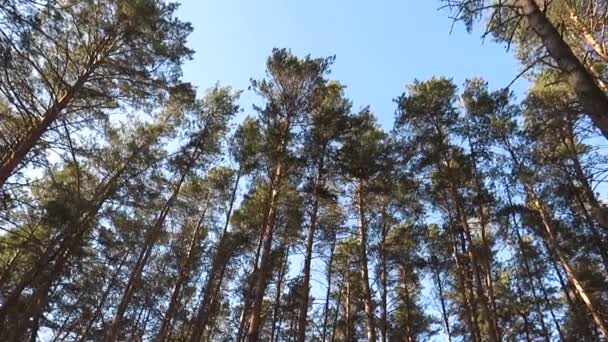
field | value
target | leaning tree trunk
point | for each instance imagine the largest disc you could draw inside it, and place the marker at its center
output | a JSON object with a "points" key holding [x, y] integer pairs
{"points": [[550, 238], [444, 312], [259, 288], [590, 95], [104, 297], [11, 159], [220, 261], [561, 258], [151, 238], [182, 278], [49, 266]]}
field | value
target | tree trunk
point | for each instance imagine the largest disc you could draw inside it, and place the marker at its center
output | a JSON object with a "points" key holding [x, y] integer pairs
{"points": [[384, 283], [370, 324], [68, 239], [444, 311], [463, 276], [220, 260], [476, 269], [50, 265], [303, 310], [104, 297], [336, 316], [182, 278], [12, 159], [151, 238], [556, 250], [259, 288], [529, 274], [150, 241], [277, 301], [328, 293], [590, 95], [551, 241], [249, 292], [349, 329]]}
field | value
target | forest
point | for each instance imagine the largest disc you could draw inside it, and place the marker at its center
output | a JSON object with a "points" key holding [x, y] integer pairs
{"points": [[136, 207]]}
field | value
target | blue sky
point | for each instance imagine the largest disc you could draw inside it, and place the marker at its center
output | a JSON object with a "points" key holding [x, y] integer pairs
{"points": [[380, 46]]}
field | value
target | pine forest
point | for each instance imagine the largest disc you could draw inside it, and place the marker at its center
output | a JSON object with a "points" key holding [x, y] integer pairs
{"points": [[135, 206]]}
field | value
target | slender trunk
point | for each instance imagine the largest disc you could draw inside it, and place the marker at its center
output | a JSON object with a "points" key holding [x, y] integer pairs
{"points": [[182, 278], [463, 275], [596, 209], [328, 292], [407, 300], [259, 288], [528, 270], [104, 297], [336, 317], [444, 311], [552, 244], [561, 258], [370, 324], [303, 310], [151, 238], [547, 300], [248, 292], [590, 95], [476, 270], [277, 301], [384, 284], [347, 315], [487, 260], [134, 277], [220, 260]]}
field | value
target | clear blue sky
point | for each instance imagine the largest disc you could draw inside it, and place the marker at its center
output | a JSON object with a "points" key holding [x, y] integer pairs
{"points": [[380, 46]]}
